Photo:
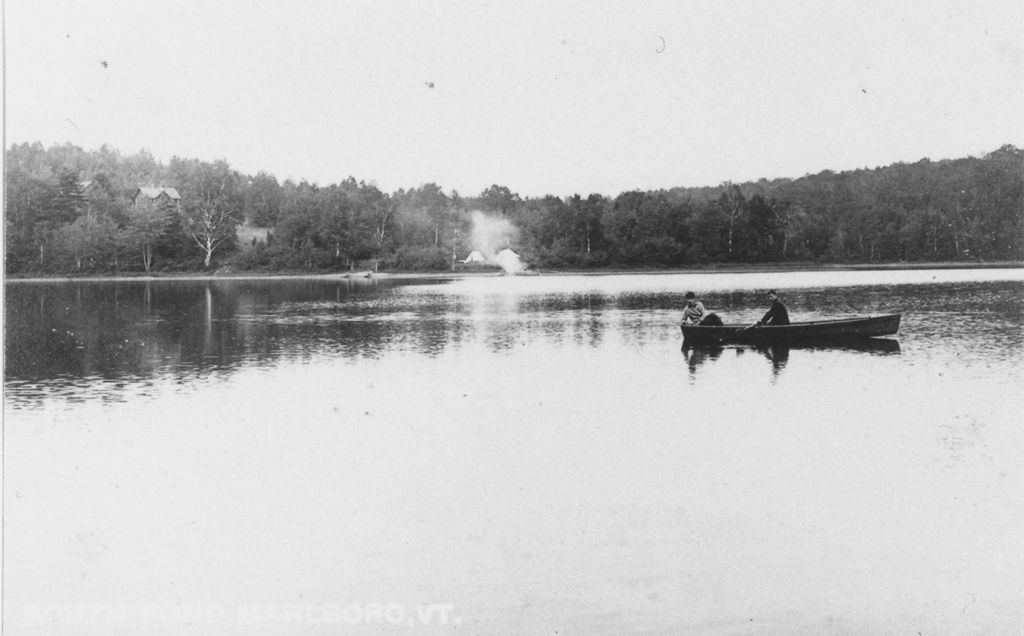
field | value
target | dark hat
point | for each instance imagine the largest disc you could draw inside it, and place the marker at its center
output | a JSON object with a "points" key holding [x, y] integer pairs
{"points": [[690, 295]]}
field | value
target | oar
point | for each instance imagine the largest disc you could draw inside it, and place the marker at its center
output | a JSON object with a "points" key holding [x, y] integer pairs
{"points": [[746, 329]]}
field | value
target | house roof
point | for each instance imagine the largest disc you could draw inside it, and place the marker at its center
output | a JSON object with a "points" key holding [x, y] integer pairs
{"points": [[153, 193]]}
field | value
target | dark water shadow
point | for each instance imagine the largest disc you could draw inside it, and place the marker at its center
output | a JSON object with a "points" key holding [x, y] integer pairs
{"points": [[696, 356], [66, 336], [778, 354]]}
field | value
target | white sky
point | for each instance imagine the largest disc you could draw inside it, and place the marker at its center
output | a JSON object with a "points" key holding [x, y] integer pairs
{"points": [[543, 97]]}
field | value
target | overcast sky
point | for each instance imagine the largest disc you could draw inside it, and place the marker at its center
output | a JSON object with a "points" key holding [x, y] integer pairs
{"points": [[544, 97]]}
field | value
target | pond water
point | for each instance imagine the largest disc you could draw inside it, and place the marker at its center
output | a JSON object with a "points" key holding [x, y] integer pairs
{"points": [[511, 455]]}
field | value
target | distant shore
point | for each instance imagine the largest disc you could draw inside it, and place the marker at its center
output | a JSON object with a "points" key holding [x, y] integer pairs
{"points": [[732, 268]]}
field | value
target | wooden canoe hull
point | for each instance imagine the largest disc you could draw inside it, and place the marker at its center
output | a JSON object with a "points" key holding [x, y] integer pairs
{"points": [[797, 332]]}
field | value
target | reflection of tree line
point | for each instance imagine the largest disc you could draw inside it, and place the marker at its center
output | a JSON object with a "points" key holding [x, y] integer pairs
{"points": [[125, 330], [134, 329], [188, 329]]}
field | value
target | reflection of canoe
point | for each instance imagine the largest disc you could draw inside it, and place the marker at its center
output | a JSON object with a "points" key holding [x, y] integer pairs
{"points": [[817, 331], [866, 345]]}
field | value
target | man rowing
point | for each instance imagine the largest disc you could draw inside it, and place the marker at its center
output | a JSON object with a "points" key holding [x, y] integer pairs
{"points": [[777, 314]]}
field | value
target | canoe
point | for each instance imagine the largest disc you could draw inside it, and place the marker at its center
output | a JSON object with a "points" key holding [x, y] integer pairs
{"points": [[842, 329]]}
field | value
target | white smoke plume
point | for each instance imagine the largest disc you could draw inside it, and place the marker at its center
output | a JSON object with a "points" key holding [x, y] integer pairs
{"points": [[493, 238]]}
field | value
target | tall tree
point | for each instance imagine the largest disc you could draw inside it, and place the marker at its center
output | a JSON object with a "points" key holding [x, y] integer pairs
{"points": [[587, 221], [60, 205], [732, 204], [298, 228], [211, 204], [147, 223], [85, 239], [763, 221], [499, 199], [262, 200], [378, 212]]}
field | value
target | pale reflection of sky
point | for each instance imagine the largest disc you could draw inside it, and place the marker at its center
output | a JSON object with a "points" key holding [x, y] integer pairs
{"points": [[716, 281]]}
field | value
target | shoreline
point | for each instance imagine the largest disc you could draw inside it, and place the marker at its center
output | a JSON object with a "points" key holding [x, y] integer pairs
{"points": [[735, 268]]}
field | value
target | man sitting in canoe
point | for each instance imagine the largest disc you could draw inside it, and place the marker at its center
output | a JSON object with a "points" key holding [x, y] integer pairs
{"points": [[694, 313], [777, 315]]}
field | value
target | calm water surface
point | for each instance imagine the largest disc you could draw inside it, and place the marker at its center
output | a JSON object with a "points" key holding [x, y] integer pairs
{"points": [[511, 455]]}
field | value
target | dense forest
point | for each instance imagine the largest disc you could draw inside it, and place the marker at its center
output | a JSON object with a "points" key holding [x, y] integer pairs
{"points": [[70, 210]]}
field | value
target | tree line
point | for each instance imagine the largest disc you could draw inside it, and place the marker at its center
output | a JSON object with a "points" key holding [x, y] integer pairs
{"points": [[70, 210]]}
